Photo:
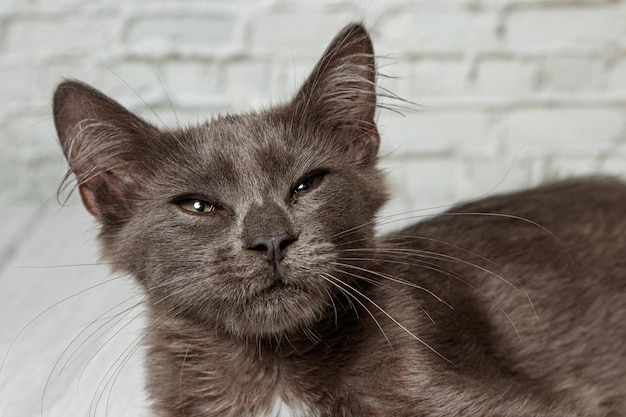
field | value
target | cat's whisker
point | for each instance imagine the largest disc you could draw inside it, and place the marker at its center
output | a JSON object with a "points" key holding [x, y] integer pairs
{"points": [[168, 98], [395, 321], [513, 325], [422, 264], [332, 301], [140, 97], [530, 302], [48, 309], [448, 258], [106, 342], [403, 238], [64, 266], [111, 322], [385, 220], [311, 335], [180, 379], [413, 214], [393, 279], [117, 366], [531, 222], [110, 377], [437, 268], [345, 289]]}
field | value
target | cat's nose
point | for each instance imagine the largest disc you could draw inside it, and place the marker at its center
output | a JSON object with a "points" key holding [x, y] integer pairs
{"points": [[272, 247]]}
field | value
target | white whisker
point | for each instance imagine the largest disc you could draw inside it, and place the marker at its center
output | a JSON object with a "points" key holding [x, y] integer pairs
{"points": [[390, 317], [344, 288], [397, 280]]}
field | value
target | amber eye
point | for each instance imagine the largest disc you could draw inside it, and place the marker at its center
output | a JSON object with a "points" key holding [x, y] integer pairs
{"points": [[309, 183], [196, 206]]}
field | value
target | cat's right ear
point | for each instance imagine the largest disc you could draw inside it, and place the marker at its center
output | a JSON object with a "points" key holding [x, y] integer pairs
{"points": [[340, 93], [102, 143]]}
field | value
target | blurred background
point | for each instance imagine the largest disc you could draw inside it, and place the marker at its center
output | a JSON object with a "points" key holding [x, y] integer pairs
{"points": [[507, 93], [511, 92]]}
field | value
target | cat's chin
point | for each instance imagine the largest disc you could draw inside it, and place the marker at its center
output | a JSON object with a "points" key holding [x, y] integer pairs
{"points": [[280, 310]]}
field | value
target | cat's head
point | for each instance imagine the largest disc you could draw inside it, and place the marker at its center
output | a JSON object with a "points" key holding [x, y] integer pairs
{"points": [[241, 222]]}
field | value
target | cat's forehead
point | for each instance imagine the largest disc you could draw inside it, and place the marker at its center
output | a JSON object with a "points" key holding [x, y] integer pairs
{"points": [[249, 155], [244, 143]]}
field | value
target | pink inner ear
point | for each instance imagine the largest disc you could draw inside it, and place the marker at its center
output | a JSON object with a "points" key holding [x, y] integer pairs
{"points": [[364, 147], [89, 200], [108, 194]]}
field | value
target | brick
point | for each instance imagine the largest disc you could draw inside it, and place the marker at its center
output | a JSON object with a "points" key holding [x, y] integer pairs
{"points": [[436, 132], [182, 31], [420, 185], [572, 74], [577, 130], [190, 83], [303, 34], [427, 29], [564, 25], [440, 77], [505, 77], [18, 84], [396, 74], [561, 167], [483, 176], [129, 82], [22, 216], [29, 135], [617, 77], [73, 34], [246, 82], [541, 78], [8, 6], [614, 165]]}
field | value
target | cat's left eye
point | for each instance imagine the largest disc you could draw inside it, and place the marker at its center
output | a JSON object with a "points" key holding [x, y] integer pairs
{"points": [[309, 183], [196, 206]]}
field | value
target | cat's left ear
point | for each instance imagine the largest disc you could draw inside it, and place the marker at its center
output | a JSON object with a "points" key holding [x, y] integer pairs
{"points": [[341, 92], [105, 146]]}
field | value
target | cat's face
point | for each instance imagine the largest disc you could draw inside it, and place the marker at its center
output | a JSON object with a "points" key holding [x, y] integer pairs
{"points": [[241, 222]]}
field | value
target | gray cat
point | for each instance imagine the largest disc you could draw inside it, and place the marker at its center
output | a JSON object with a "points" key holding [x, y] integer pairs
{"points": [[269, 295]]}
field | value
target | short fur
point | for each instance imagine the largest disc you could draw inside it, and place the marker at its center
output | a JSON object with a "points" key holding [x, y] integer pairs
{"points": [[279, 300]]}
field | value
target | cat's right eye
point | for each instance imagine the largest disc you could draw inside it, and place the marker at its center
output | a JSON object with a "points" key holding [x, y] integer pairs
{"points": [[194, 205]]}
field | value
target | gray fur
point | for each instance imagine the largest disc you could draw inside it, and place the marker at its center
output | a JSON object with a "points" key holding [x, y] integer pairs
{"points": [[510, 306]]}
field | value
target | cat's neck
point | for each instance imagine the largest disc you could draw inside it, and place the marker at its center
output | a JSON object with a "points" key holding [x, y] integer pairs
{"points": [[284, 373], [329, 333]]}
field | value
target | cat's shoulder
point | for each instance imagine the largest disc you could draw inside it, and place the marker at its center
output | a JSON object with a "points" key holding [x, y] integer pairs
{"points": [[554, 206], [569, 195]]}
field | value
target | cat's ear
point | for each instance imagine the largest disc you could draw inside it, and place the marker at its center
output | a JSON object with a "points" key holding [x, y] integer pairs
{"points": [[102, 143], [341, 92]]}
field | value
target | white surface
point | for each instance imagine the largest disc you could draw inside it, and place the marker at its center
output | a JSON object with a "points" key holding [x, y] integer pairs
{"points": [[68, 334]]}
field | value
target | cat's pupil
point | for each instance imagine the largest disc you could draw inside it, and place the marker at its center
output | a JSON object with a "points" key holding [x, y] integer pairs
{"points": [[310, 183], [303, 187], [196, 206]]}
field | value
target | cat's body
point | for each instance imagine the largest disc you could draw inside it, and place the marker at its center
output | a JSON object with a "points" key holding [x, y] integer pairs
{"points": [[269, 294], [530, 320]]}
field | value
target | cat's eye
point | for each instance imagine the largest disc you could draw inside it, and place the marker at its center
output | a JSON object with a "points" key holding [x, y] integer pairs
{"points": [[309, 183], [196, 206]]}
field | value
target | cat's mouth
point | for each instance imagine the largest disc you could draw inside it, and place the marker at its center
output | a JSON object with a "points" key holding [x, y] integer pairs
{"points": [[274, 307], [278, 291], [277, 285]]}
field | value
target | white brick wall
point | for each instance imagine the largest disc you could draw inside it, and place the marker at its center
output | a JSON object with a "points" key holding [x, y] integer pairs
{"points": [[513, 92]]}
